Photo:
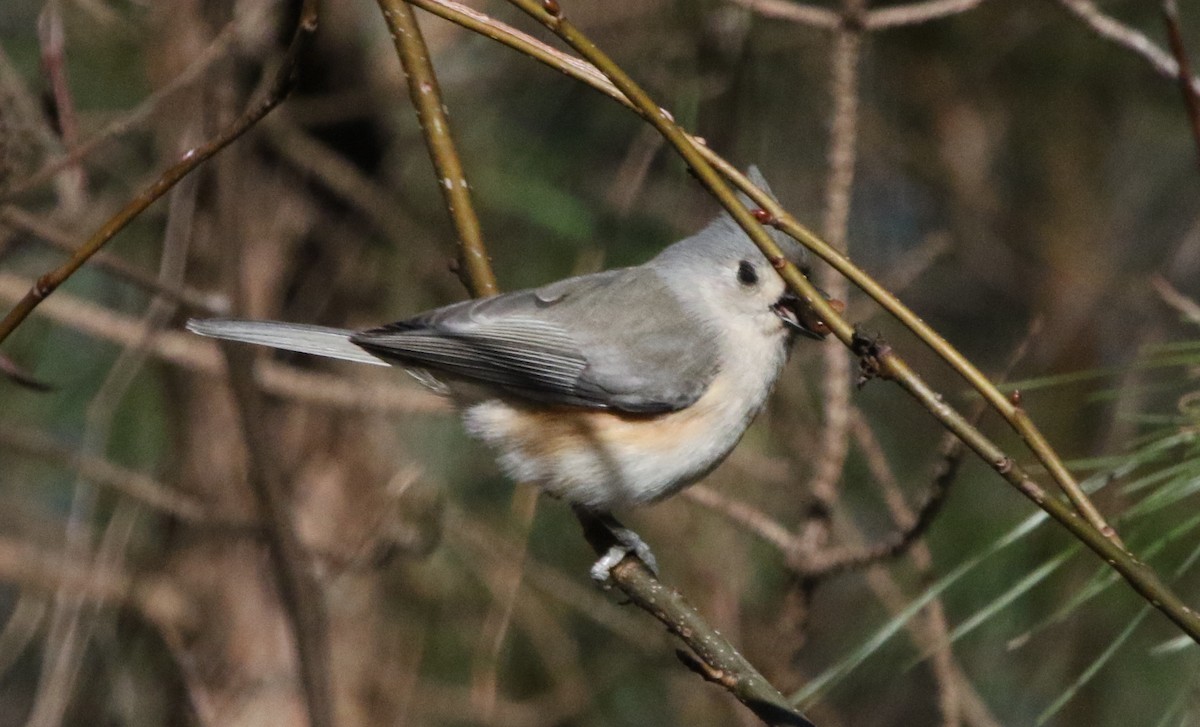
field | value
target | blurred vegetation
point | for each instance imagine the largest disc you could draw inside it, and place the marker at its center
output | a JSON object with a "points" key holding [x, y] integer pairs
{"points": [[1020, 167]]}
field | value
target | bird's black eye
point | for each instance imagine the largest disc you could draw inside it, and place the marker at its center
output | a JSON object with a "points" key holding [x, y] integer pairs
{"points": [[747, 275]]}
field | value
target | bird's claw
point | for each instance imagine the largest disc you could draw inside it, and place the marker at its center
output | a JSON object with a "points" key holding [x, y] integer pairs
{"points": [[628, 543]]}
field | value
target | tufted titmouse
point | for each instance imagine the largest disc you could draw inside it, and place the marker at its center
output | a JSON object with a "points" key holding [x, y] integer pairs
{"points": [[611, 389]]}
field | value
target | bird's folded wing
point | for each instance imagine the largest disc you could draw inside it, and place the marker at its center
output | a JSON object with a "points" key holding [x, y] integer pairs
{"points": [[576, 342]]}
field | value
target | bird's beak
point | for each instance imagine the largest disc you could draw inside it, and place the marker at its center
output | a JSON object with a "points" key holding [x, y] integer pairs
{"points": [[800, 317]]}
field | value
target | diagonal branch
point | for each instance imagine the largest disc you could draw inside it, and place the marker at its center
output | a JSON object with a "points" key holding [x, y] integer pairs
{"points": [[279, 88], [779, 217], [918, 12], [1130, 39], [877, 358], [719, 661]]}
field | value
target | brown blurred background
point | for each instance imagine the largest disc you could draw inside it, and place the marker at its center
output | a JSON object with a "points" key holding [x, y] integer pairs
{"points": [[1005, 168]]}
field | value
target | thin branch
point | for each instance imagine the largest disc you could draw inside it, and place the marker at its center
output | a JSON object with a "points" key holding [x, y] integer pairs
{"points": [[99, 470], [840, 159], [212, 303], [912, 525], [134, 117], [810, 15], [203, 356], [52, 38], [158, 600], [476, 270], [276, 92], [1186, 307], [1191, 96], [755, 521], [879, 19], [525, 44], [916, 13], [1132, 40]]}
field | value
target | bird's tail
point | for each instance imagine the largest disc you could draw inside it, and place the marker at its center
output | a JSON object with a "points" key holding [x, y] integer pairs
{"points": [[316, 340]]}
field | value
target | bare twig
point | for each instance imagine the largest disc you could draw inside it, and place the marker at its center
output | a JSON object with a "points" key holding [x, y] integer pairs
{"points": [[156, 599], [1129, 39], [753, 520], [834, 562], [840, 159], [212, 303], [52, 37], [719, 662], [1187, 307], [918, 12], [799, 13], [879, 19], [476, 270], [131, 119], [99, 470], [1191, 96]]}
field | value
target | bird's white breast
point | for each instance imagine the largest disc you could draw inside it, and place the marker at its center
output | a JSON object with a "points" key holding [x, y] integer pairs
{"points": [[604, 459]]}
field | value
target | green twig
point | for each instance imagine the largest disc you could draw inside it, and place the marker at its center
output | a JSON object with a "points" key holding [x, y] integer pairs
{"points": [[474, 268], [881, 360]]}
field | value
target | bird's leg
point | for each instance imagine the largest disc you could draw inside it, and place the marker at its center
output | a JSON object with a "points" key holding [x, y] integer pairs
{"points": [[601, 529]]}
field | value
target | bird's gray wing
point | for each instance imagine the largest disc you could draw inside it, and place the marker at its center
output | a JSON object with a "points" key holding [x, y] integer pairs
{"points": [[613, 340]]}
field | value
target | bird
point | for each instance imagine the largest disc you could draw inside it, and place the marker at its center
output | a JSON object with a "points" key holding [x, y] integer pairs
{"points": [[607, 390]]}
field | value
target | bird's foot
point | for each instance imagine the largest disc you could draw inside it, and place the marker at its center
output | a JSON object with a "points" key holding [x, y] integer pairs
{"points": [[626, 543]]}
